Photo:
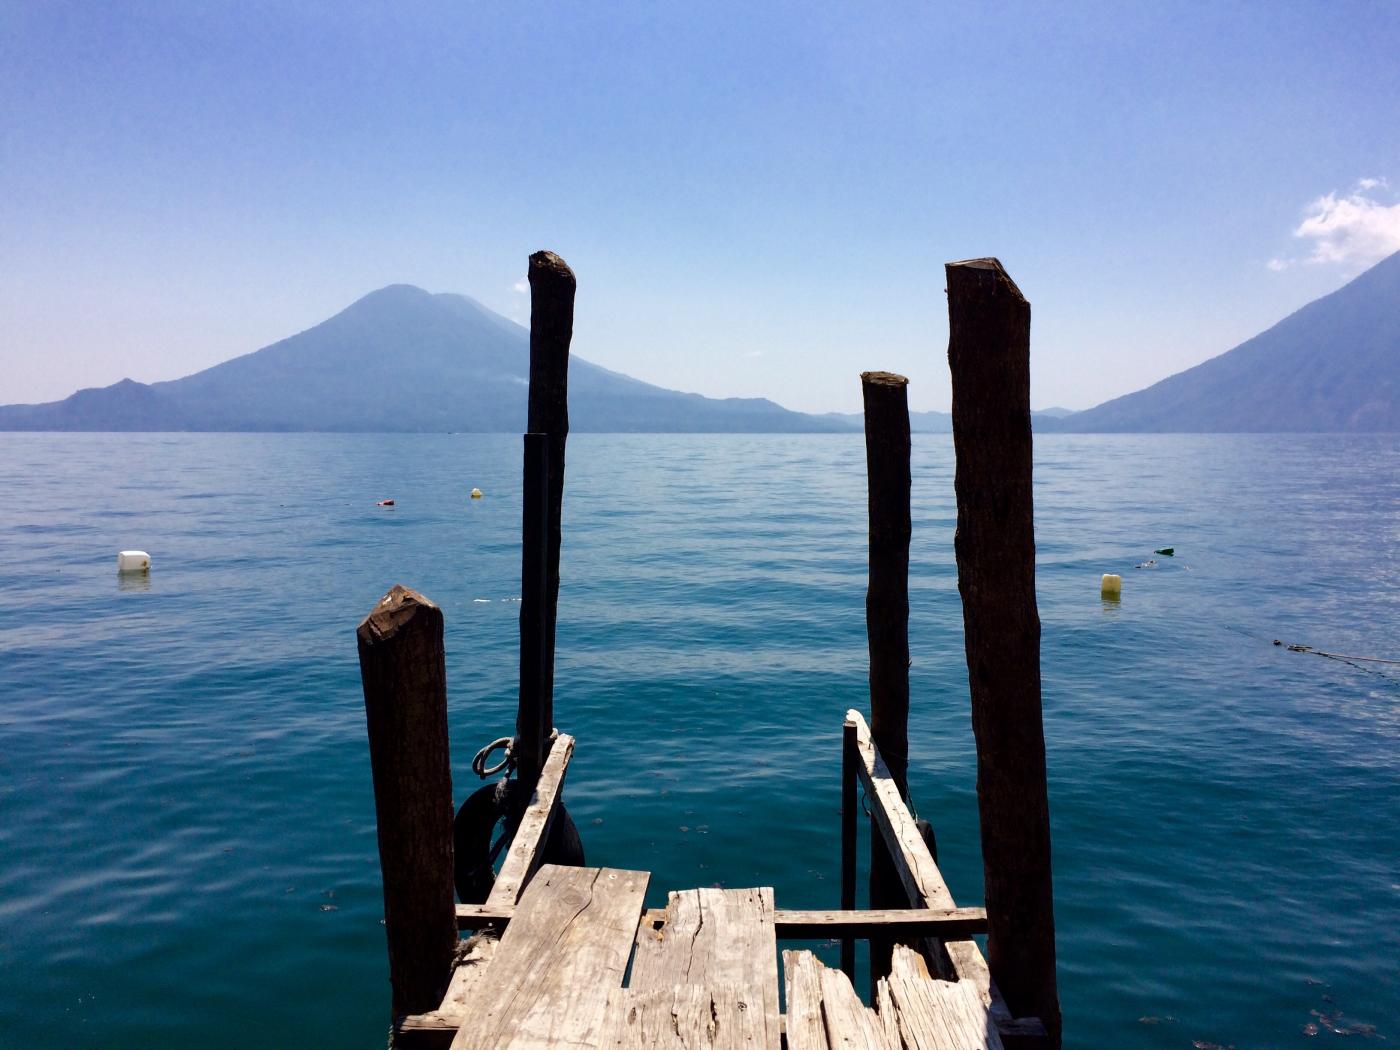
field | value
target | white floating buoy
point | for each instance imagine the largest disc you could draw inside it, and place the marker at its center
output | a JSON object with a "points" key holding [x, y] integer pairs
{"points": [[1112, 586], [476, 494], [133, 561]]}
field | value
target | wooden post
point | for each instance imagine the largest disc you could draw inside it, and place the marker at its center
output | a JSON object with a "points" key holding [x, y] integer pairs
{"points": [[405, 683], [531, 727], [552, 287], [887, 616], [849, 759], [989, 354]]}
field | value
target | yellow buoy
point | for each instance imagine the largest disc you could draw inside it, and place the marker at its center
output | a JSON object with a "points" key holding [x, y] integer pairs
{"points": [[476, 494], [1112, 587]]}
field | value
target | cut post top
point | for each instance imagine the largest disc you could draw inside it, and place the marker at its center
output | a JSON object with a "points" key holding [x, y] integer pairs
{"points": [[883, 379], [394, 611], [985, 276], [546, 266]]}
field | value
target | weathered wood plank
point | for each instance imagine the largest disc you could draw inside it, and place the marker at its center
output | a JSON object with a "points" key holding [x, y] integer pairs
{"points": [[793, 924], [942, 1015], [899, 922], [565, 949], [913, 862], [884, 1012], [437, 1028], [849, 1024], [960, 959], [802, 974], [715, 937], [685, 1017], [480, 916], [526, 847], [908, 963]]}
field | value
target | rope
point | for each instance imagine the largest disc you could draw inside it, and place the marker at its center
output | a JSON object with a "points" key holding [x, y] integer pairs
{"points": [[1338, 656]]}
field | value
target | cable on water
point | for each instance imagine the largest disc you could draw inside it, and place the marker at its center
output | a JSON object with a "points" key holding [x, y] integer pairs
{"points": [[1360, 663]]}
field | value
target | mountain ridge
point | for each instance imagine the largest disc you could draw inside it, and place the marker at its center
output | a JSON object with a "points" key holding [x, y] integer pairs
{"points": [[1331, 366], [399, 359]]}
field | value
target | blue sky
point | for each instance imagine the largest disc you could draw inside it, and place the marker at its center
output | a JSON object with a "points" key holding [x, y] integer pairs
{"points": [[757, 198]]}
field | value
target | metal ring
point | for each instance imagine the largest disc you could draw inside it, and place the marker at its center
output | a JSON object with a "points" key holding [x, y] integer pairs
{"points": [[479, 762]]}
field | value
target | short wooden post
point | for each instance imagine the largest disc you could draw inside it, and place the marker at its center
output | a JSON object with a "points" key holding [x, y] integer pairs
{"points": [[849, 803], [552, 287], [989, 354], [531, 727], [405, 684], [887, 616]]}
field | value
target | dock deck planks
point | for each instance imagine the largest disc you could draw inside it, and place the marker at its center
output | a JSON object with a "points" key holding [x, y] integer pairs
{"points": [[564, 951], [716, 939]]}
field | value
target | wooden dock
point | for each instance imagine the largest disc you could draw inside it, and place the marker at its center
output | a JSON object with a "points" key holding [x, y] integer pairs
{"points": [[569, 957], [565, 956]]}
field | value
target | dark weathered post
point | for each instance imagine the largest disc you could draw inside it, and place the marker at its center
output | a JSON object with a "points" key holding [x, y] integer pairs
{"points": [[887, 615], [552, 287], [405, 684], [989, 353], [848, 841], [531, 730]]}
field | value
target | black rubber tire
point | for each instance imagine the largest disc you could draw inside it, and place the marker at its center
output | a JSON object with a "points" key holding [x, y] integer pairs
{"points": [[474, 827]]}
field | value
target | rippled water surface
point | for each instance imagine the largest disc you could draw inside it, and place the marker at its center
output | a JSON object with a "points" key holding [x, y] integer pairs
{"points": [[187, 847]]}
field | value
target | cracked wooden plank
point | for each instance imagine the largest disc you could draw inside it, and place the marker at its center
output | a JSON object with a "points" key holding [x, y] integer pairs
{"points": [[565, 949], [942, 1015], [805, 1030], [527, 845], [684, 1017], [713, 938]]}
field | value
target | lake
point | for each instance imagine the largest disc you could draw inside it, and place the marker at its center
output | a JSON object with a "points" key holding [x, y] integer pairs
{"points": [[186, 818]]}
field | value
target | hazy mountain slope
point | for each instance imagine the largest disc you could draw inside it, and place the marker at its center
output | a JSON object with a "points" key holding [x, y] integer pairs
{"points": [[398, 359], [1334, 365]]}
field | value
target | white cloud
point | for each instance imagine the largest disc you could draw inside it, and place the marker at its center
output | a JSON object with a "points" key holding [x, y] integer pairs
{"points": [[1278, 265], [521, 286], [1355, 228]]}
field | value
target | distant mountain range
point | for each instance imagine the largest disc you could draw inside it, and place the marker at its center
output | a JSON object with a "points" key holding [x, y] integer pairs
{"points": [[939, 422], [1334, 365], [400, 359]]}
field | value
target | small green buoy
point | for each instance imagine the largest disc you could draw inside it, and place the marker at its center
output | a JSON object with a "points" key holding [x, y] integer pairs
{"points": [[1168, 551]]}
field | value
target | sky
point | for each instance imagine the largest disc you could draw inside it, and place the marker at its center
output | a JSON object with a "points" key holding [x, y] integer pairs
{"points": [[757, 198]]}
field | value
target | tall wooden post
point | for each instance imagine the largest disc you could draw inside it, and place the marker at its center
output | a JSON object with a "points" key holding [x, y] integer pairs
{"points": [[536, 656], [849, 758], [405, 683], [989, 354], [552, 288], [887, 616]]}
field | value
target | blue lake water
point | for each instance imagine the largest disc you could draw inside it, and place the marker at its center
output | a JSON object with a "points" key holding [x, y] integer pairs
{"points": [[187, 846]]}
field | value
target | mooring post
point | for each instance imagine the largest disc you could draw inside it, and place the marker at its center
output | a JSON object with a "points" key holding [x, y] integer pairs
{"points": [[405, 684], [849, 759], [532, 731], [887, 616], [552, 288], [989, 355]]}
